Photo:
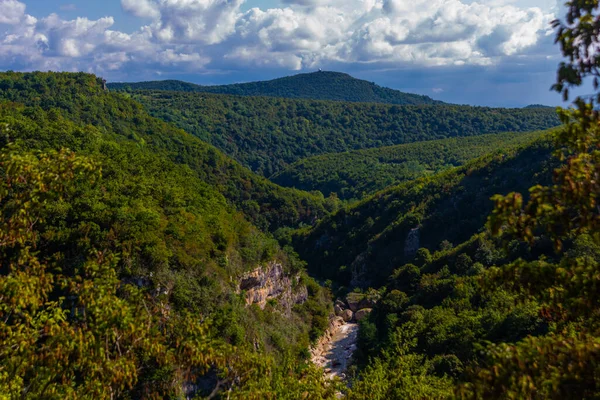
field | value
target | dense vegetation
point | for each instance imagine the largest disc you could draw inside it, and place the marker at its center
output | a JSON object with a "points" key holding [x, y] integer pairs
{"points": [[506, 309], [323, 85], [364, 242], [355, 174], [509, 313], [120, 257], [512, 311], [268, 134], [123, 239], [80, 98]]}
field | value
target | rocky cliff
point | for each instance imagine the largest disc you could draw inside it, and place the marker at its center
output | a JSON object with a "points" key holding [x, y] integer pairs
{"points": [[271, 282]]}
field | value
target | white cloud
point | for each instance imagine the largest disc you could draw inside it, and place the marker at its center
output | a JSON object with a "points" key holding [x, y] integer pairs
{"points": [[11, 12], [196, 35], [189, 21], [140, 8]]}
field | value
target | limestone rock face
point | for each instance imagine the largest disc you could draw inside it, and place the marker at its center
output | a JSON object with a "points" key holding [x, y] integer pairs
{"points": [[360, 272], [411, 245], [271, 282], [347, 315], [361, 314]]}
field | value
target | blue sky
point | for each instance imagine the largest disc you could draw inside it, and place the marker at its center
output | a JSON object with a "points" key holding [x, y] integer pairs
{"points": [[485, 52]]}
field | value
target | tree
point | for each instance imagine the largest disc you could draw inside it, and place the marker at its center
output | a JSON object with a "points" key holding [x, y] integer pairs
{"points": [[566, 362], [75, 331]]}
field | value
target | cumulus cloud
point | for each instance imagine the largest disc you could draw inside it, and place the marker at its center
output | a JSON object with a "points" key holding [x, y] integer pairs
{"points": [[197, 35], [140, 8], [11, 12], [189, 21]]}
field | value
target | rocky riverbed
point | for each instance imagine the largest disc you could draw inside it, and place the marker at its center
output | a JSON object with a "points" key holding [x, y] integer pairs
{"points": [[334, 350], [335, 353]]}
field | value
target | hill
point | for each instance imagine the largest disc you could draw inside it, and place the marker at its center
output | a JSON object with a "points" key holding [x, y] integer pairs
{"points": [[266, 204], [323, 85], [364, 242], [129, 258], [354, 174], [538, 106], [267, 134], [422, 250]]}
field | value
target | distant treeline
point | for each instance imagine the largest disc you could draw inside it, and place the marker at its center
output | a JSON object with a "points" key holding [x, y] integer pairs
{"points": [[268, 134], [354, 174], [317, 86]]}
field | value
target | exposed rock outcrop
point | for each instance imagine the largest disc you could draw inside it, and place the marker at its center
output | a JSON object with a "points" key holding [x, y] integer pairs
{"points": [[271, 282], [356, 307], [353, 300], [361, 314], [320, 347], [359, 272], [366, 302], [347, 315], [412, 242]]}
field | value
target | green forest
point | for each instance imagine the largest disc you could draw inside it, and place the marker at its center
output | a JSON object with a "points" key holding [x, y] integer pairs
{"points": [[266, 135], [172, 244], [352, 175], [96, 192], [322, 85]]}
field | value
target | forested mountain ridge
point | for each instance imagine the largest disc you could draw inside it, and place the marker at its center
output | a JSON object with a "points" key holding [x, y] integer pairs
{"points": [[78, 97], [139, 262], [355, 174], [139, 281], [323, 85], [424, 246], [364, 242], [267, 134]]}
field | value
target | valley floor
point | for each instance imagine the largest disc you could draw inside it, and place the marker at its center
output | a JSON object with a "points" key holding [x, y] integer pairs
{"points": [[337, 352]]}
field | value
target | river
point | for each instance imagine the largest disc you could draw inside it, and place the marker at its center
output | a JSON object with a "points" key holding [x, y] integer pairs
{"points": [[336, 353]]}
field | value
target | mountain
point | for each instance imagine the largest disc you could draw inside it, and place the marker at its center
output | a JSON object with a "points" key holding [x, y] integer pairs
{"points": [[267, 134], [266, 204], [364, 242], [132, 263], [139, 261], [419, 253], [538, 106], [443, 301], [322, 85], [354, 174]]}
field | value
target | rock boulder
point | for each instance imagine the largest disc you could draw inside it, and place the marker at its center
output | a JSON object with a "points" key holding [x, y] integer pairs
{"points": [[353, 301], [361, 314], [347, 315]]}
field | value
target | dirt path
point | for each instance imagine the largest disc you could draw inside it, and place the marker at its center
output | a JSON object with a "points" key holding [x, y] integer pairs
{"points": [[337, 352]]}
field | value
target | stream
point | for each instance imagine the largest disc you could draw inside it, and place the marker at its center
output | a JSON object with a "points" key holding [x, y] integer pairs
{"points": [[336, 353]]}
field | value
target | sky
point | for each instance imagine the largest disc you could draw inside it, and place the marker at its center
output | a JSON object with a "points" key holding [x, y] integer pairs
{"points": [[483, 52]]}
